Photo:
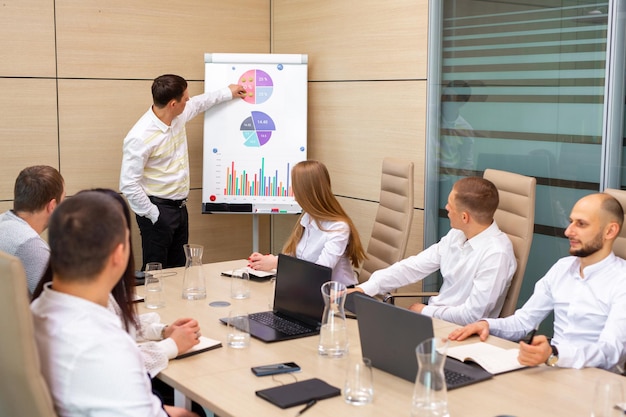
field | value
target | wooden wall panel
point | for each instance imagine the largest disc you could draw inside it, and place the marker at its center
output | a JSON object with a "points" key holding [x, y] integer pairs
{"points": [[93, 128], [282, 226], [94, 117], [363, 214], [27, 41], [353, 126], [5, 205], [365, 40], [28, 134], [138, 39]]}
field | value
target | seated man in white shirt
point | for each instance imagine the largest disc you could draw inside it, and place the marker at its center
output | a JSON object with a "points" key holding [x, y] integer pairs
{"points": [[586, 291], [92, 366], [475, 258]]}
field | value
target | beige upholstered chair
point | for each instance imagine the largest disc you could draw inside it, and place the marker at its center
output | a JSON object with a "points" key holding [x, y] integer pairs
{"points": [[392, 224], [619, 247], [24, 391], [515, 216]]}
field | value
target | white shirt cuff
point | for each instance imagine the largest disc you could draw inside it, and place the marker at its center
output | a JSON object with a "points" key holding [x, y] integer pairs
{"points": [[169, 347]]}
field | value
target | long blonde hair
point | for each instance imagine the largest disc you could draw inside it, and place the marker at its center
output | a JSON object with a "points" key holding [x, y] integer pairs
{"points": [[311, 188]]}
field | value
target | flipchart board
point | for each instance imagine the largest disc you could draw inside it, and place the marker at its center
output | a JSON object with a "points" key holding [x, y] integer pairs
{"points": [[251, 144]]}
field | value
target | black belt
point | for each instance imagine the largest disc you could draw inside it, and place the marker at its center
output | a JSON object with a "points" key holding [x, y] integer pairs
{"points": [[168, 202]]}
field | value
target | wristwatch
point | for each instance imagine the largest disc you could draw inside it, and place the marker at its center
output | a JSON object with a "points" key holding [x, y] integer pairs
{"points": [[554, 357]]}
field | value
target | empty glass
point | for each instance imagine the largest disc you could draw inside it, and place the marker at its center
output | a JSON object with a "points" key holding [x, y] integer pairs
{"points": [[194, 284], [154, 297], [430, 398], [607, 394], [238, 330], [240, 285], [359, 386]]}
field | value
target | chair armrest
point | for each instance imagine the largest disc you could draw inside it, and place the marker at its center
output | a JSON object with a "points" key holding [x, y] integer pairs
{"points": [[390, 298]]}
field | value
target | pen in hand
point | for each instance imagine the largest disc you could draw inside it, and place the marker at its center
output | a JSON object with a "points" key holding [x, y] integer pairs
{"points": [[306, 407]]}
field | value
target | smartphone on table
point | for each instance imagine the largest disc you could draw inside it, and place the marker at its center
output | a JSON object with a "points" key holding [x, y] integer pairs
{"points": [[276, 368]]}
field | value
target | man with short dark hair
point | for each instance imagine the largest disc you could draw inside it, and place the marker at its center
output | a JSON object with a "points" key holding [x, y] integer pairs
{"points": [[91, 365], [475, 258], [586, 291], [38, 190], [154, 176]]}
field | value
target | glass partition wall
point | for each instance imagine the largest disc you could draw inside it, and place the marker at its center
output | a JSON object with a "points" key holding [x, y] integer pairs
{"points": [[533, 87]]}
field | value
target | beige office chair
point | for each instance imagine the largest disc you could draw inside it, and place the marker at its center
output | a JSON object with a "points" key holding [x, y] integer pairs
{"points": [[392, 224], [24, 391], [515, 216], [619, 247]]}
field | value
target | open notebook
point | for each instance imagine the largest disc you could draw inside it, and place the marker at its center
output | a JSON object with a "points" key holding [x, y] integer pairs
{"points": [[493, 359], [204, 345], [254, 274]]}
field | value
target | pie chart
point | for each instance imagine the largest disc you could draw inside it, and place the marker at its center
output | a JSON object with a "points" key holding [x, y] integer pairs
{"points": [[257, 129], [258, 85]]}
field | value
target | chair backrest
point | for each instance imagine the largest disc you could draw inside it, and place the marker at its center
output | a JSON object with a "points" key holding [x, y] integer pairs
{"points": [[392, 224], [24, 391], [515, 216], [619, 246]]}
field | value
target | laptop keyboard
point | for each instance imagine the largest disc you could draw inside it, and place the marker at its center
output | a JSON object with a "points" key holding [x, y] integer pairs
{"points": [[278, 323], [454, 378]]}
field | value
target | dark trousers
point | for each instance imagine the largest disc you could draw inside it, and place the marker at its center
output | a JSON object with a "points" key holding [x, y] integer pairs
{"points": [[163, 241], [166, 394]]}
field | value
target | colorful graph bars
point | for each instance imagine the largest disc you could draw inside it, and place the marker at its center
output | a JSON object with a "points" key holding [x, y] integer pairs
{"points": [[257, 184]]}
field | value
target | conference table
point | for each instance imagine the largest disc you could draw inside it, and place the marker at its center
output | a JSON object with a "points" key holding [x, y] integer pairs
{"points": [[221, 381]]}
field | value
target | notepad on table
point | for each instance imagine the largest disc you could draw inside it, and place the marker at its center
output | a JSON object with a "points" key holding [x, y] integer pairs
{"points": [[253, 273], [204, 345], [493, 359]]}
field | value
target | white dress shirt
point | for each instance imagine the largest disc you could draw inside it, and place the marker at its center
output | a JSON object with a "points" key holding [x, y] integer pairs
{"points": [[91, 365], [155, 161], [476, 275], [155, 350], [589, 313], [327, 246]]}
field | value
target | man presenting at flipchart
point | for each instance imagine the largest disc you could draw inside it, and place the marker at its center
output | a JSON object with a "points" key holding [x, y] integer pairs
{"points": [[155, 166]]}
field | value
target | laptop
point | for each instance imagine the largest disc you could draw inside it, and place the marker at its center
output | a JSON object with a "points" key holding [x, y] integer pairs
{"points": [[298, 302], [389, 336]]}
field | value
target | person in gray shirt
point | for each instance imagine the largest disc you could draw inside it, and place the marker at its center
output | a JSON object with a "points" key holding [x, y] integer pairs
{"points": [[38, 190]]}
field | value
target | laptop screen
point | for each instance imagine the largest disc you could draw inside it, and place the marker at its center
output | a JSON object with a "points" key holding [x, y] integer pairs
{"points": [[389, 335], [298, 289]]}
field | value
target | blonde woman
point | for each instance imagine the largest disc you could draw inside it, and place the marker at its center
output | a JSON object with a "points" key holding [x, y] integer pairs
{"points": [[325, 234]]}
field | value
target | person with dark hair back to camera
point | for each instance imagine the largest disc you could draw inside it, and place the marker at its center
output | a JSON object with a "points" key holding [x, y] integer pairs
{"points": [[586, 291], [154, 175], [91, 365], [475, 258], [38, 190]]}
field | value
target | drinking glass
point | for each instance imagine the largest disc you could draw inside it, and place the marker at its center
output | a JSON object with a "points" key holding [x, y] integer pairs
{"points": [[238, 330], [607, 394], [154, 286], [359, 387], [240, 285]]}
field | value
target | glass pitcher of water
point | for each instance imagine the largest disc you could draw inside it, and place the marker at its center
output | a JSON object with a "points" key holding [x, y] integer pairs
{"points": [[194, 284], [333, 334], [430, 394]]}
